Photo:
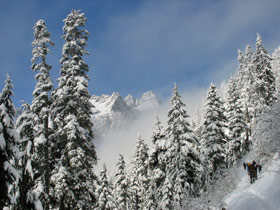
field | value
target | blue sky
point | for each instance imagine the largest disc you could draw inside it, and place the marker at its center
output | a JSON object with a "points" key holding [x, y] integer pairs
{"points": [[136, 45]]}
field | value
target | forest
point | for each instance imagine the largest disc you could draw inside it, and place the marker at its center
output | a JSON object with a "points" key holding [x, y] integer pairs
{"points": [[47, 149]]}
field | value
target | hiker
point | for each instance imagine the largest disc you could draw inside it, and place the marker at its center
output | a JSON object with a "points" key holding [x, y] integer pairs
{"points": [[245, 165], [259, 167], [248, 167], [255, 167], [251, 172]]}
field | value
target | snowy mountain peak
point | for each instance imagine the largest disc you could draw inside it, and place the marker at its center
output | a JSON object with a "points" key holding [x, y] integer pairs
{"points": [[111, 112], [148, 100], [130, 101], [116, 103]]}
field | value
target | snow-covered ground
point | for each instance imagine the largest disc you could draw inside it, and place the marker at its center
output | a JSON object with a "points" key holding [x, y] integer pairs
{"points": [[264, 194]]}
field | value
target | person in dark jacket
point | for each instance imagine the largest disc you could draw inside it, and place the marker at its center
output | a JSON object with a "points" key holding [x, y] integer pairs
{"points": [[258, 166], [255, 167], [251, 172], [245, 165]]}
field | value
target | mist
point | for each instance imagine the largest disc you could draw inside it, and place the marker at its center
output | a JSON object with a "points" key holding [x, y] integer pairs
{"points": [[122, 141]]}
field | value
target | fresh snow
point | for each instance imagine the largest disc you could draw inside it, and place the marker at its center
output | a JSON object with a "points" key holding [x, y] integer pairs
{"points": [[264, 194]]}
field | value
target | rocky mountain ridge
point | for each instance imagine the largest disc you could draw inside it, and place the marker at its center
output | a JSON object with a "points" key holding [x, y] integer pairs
{"points": [[111, 112]]}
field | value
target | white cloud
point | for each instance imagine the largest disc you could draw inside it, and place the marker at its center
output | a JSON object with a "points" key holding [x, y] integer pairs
{"points": [[171, 39]]}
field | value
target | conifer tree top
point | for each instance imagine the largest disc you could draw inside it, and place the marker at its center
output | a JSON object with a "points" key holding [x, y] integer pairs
{"points": [[248, 49], [158, 131], [5, 97], [240, 56], [41, 43], [259, 40], [74, 35]]}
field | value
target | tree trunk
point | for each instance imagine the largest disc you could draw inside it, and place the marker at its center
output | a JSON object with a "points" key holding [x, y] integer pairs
{"points": [[61, 203]]}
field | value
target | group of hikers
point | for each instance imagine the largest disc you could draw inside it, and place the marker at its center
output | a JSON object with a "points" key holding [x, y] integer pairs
{"points": [[252, 169]]}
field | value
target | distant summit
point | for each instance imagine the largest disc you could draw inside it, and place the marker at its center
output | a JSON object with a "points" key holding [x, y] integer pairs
{"points": [[148, 101], [111, 112]]}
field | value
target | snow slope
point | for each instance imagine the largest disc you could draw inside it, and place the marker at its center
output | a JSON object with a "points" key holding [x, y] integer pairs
{"points": [[264, 194]]}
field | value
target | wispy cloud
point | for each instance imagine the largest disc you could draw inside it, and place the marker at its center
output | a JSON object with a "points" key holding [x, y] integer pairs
{"points": [[164, 41], [137, 46]]}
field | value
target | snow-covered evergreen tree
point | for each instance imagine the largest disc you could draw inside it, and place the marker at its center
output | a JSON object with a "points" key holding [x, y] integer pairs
{"points": [[157, 166], [41, 109], [139, 175], [9, 139], [214, 139], [167, 195], [240, 70], [73, 152], [28, 199], [246, 83], [265, 79], [275, 65], [105, 197], [238, 144], [184, 166], [121, 185], [5, 177]]}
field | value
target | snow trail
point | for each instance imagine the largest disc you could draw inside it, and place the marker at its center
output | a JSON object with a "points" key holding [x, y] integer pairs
{"points": [[264, 194]]}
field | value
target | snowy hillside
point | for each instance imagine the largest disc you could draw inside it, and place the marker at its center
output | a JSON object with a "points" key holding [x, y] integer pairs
{"points": [[264, 194], [234, 191], [113, 112]]}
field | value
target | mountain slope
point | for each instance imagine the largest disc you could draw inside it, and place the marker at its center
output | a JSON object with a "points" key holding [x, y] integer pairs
{"points": [[234, 191], [264, 194]]}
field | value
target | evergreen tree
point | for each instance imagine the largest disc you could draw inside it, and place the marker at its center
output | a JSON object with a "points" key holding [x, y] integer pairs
{"points": [[246, 79], [237, 126], [139, 175], [246, 84], [214, 139], [41, 109], [73, 152], [156, 166], [5, 177], [28, 199], [9, 139], [167, 195], [184, 166], [241, 70], [135, 201], [150, 200], [121, 185], [265, 79], [105, 197], [275, 65]]}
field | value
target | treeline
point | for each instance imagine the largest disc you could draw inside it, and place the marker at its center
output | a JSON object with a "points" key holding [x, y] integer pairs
{"points": [[47, 156]]}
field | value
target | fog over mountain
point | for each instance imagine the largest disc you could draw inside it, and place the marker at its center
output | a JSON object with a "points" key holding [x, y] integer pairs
{"points": [[118, 121], [112, 112]]}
